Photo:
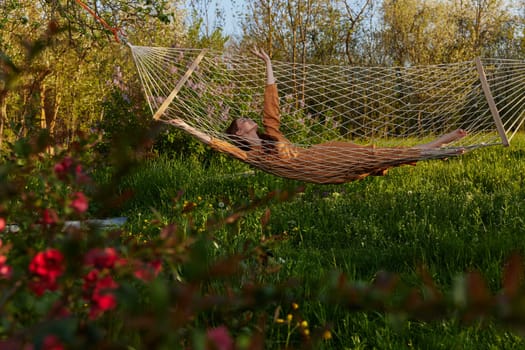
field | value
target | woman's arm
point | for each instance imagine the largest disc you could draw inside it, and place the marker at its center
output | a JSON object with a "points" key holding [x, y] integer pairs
{"points": [[271, 113], [269, 69], [226, 147]]}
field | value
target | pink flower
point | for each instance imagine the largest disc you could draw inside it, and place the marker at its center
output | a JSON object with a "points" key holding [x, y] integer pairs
{"points": [[148, 271], [102, 258], [79, 202], [62, 168], [78, 170], [219, 339], [2, 224], [5, 270], [81, 177], [68, 167]]}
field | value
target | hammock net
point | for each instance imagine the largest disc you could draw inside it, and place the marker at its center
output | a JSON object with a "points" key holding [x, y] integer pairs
{"points": [[392, 108]]}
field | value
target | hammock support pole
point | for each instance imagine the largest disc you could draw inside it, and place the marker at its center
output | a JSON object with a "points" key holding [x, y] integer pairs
{"points": [[199, 135], [179, 85], [176, 121], [492, 104]]}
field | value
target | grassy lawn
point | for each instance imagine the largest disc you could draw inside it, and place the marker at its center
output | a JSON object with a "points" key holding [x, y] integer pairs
{"points": [[450, 216]]}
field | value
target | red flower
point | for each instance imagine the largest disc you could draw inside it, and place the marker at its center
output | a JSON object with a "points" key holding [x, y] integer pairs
{"points": [[101, 303], [5, 270], [104, 284], [79, 202], [62, 168], [48, 263], [94, 284], [101, 258], [47, 266], [49, 217], [2, 224], [219, 339], [148, 271], [98, 292], [68, 166], [59, 310], [90, 280], [40, 284], [80, 175], [51, 342]]}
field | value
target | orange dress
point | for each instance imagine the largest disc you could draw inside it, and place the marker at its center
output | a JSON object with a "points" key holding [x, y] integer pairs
{"points": [[329, 162]]}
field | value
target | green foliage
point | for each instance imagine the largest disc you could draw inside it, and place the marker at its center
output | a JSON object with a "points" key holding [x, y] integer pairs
{"points": [[423, 256], [214, 40], [172, 142], [420, 32], [426, 226], [123, 118], [205, 30], [56, 72], [404, 32], [214, 254], [59, 279]]}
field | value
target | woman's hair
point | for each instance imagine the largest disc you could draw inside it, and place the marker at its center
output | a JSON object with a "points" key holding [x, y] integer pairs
{"points": [[238, 141], [268, 144]]}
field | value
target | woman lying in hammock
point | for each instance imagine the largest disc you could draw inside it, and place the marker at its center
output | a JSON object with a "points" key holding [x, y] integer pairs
{"points": [[329, 162]]}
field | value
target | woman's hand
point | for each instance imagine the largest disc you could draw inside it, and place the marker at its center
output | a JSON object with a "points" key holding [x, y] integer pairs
{"points": [[264, 56], [261, 54]]}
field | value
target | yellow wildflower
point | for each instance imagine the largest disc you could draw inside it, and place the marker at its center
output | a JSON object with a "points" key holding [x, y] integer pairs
{"points": [[327, 335]]}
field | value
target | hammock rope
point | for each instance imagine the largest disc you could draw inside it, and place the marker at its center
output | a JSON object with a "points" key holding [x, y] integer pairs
{"points": [[118, 34], [202, 91], [327, 112]]}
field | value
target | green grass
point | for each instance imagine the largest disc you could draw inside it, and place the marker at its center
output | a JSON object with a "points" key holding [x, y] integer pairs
{"points": [[451, 216]]}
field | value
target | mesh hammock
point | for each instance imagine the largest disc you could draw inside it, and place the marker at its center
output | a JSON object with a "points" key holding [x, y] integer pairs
{"points": [[339, 123]]}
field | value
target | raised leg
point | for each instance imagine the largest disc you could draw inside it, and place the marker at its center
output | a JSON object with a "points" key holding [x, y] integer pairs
{"points": [[445, 139]]}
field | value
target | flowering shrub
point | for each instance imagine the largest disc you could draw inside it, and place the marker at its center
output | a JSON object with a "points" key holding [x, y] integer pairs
{"points": [[79, 285], [5, 270], [65, 280], [99, 292], [67, 283]]}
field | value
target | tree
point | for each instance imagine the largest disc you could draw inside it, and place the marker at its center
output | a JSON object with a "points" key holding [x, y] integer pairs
{"points": [[429, 31], [57, 60], [303, 31], [14, 21]]}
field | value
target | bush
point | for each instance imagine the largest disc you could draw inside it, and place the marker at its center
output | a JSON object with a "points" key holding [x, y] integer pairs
{"points": [[67, 281]]}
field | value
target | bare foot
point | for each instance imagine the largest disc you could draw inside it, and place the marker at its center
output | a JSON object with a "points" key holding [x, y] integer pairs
{"points": [[445, 139]]}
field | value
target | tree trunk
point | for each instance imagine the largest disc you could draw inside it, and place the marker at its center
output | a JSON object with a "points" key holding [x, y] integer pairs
{"points": [[52, 105], [49, 106], [43, 116]]}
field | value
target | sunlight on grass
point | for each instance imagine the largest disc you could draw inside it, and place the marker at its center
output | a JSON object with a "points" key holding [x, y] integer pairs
{"points": [[450, 216]]}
